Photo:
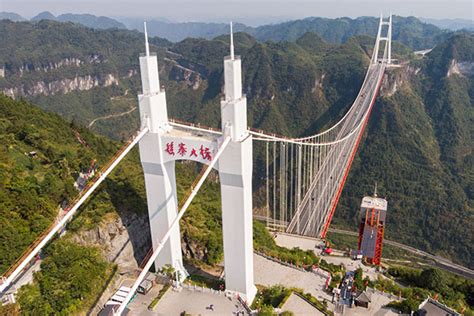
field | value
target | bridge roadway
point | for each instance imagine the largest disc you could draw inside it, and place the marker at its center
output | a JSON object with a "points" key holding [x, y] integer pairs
{"points": [[356, 118], [437, 260]]}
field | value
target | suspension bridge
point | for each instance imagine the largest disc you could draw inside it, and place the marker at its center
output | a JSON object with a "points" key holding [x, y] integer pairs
{"points": [[304, 177]]}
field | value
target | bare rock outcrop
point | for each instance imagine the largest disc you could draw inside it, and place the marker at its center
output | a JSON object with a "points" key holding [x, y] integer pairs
{"points": [[463, 68], [63, 86], [123, 241]]}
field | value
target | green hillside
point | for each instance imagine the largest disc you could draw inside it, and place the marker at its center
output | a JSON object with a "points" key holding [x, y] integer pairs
{"points": [[40, 158]]}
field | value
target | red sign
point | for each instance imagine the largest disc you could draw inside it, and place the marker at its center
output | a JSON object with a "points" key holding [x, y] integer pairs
{"points": [[204, 152]]}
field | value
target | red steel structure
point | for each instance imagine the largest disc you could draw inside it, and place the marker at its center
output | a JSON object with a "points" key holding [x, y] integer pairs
{"points": [[372, 228]]}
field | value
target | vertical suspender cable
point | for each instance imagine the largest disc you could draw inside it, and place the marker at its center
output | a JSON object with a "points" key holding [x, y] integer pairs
{"points": [[291, 181], [274, 184], [267, 184]]}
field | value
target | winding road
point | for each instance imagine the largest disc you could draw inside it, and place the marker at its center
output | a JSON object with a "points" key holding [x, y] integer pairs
{"points": [[111, 116]]}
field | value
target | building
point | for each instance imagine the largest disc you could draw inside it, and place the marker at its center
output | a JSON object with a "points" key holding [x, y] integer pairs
{"points": [[372, 227], [363, 299], [431, 307]]}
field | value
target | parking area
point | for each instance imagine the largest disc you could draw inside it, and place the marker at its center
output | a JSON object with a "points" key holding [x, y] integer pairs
{"points": [[139, 306]]}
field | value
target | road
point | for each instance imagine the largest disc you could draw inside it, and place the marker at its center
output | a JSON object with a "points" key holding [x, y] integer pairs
{"points": [[111, 116], [438, 261]]}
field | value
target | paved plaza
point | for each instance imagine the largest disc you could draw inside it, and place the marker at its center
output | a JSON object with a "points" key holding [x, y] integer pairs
{"points": [[299, 307], [195, 303], [304, 243], [268, 273]]}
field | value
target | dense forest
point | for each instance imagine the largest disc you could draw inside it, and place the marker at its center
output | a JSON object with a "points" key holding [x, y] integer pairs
{"points": [[419, 141], [40, 158]]}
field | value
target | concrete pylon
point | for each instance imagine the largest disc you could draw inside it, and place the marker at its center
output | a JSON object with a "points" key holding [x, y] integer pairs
{"points": [[389, 35], [158, 156], [160, 179], [235, 173]]}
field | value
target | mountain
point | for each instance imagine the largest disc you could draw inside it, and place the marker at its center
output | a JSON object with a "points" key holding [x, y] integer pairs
{"points": [[11, 16], [46, 15], [407, 30], [88, 20], [450, 24], [419, 141], [83, 63], [176, 32], [413, 32]]}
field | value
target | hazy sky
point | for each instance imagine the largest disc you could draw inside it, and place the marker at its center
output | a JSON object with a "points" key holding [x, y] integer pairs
{"points": [[243, 10]]}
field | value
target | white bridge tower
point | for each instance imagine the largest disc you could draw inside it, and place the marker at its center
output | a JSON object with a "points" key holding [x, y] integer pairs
{"points": [[167, 142]]}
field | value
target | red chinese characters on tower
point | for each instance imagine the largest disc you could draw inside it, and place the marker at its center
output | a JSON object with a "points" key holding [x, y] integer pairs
{"points": [[205, 153], [182, 150], [170, 148]]}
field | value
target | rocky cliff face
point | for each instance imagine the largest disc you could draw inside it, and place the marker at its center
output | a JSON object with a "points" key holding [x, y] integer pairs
{"points": [[464, 68], [52, 65], [124, 241], [179, 72], [395, 78], [63, 86]]}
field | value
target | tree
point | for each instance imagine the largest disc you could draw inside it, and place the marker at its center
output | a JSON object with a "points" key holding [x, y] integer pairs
{"points": [[266, 310], [433, 279]]}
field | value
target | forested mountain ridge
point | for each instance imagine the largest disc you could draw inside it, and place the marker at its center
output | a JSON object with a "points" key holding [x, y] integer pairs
{"points": [[411, 31], [407, 30], [298, 88], [89, 20]]}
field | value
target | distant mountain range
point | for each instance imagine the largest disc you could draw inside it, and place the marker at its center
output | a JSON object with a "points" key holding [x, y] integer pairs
{"points": [[89, 20], [451, 24], [408, 30], [413, 32]]}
